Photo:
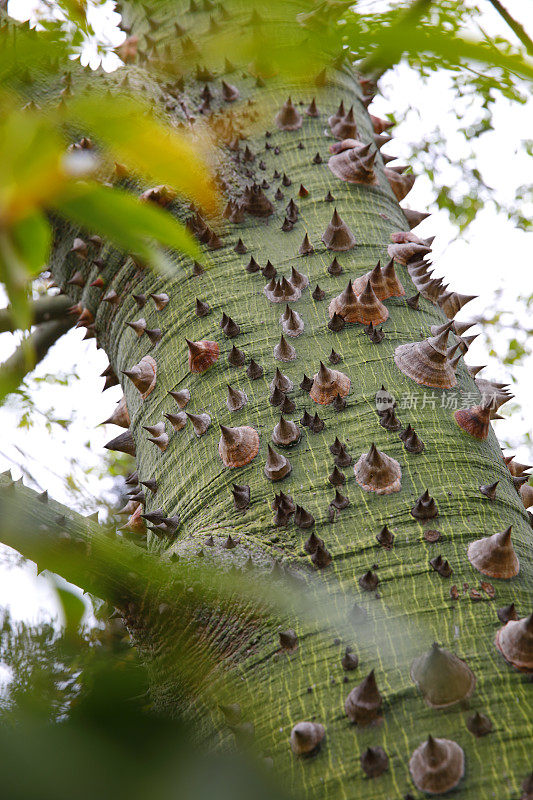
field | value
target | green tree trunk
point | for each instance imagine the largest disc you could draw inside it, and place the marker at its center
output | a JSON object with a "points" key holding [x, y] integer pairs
{"points": [[412, 606]]}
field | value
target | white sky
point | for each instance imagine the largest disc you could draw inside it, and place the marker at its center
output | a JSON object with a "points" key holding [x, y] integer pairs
{"points": [[492, 257]]}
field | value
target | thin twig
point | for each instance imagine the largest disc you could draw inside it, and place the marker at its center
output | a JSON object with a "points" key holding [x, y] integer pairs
{"points": [[515, 26]]}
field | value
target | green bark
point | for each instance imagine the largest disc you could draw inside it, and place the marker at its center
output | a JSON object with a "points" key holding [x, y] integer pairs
{"points": [[413, 606], [45, 309], [85, 553]]}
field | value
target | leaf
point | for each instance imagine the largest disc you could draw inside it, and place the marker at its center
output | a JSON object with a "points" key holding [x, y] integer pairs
{"points": [[25, 50], [24, 250], [451, 49], [126, 221], [32, 163], [72, 606], [75, 10], [32, 238], [129, 131], [515, 352], [15, 276]]}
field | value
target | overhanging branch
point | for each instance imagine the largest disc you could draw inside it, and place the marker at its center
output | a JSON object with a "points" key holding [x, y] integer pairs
{"points": [[62, 541], [30, 352], [45, 309], [134, 581]]}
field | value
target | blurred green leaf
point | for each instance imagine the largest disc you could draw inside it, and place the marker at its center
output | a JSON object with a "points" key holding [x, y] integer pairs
{"points": [[73, 608], [515, 352], [24, 251], [15, 276], [125, 220], [32, 238], [406, 37], [32, 161], [146, 146], [75, 10], [294, 39], [24, 50]]}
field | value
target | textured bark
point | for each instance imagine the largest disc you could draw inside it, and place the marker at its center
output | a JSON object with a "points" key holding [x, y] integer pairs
{"points": [[412, 606]]}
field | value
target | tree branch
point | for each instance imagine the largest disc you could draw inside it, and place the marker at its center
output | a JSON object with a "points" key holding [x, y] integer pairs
{"points": [[515, 26], [61, 540], [92, 557], [184, 618], [45, 309], [30, 351]]}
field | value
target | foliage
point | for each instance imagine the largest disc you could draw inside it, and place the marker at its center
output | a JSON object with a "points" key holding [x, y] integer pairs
{"points": [[78, 698], [428, 36], [48, 667], [78, 703], [40, 174], [478, 72]]}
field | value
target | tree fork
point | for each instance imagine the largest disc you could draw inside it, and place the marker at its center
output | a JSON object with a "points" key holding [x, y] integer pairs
{"points": [[423, 589]]}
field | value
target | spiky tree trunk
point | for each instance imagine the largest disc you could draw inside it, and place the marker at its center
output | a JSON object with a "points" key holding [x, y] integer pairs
{"points": [[414, 603]]}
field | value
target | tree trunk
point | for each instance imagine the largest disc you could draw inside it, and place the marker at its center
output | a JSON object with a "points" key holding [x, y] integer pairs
{"points": [[413, 605]]}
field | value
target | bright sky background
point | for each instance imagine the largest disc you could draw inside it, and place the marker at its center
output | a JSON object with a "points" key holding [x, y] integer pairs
{"points": [[492, 257]]}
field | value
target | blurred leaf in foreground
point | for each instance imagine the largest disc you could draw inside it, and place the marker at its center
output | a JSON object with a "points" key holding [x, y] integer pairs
{"points": [[38, 174], [132, 135], [128, 223]]}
